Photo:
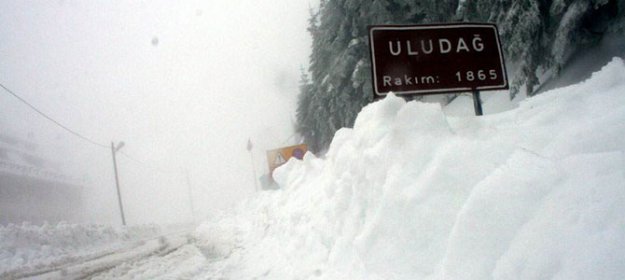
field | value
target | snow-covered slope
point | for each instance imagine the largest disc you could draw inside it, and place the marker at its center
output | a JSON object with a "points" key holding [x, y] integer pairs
{"points": [[537, 192]]}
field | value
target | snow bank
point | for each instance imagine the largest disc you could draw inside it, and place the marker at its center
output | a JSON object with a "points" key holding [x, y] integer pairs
{"points": [[27, 247], [533, 193]]}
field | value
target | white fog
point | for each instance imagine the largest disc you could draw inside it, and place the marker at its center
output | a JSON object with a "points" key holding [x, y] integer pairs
{"points": [[184, 85]]}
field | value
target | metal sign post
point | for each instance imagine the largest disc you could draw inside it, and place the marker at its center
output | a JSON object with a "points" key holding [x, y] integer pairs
{"points": [[249, 149], [439, 58], [477, 103]]}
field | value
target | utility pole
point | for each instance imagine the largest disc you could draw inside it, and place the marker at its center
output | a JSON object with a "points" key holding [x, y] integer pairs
{"points": [[190, 191], [114, 150]]}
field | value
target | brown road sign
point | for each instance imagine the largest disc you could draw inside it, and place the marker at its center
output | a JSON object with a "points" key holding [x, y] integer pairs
{"points": [[430, 59]]}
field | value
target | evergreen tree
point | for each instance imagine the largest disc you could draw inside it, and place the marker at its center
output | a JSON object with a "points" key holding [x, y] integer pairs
{"points": [[540, 35], [537, 36], [340, 68]]}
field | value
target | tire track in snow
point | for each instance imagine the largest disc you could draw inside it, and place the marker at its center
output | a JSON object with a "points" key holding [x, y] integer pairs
{"points": [[84, 268]]}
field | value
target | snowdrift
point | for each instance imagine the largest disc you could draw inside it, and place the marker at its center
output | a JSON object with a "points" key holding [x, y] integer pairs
{"points": [[537, 192]]}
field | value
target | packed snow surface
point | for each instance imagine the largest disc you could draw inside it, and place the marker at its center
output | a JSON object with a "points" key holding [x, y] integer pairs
{"points": [[537, 192], [29, 247]]}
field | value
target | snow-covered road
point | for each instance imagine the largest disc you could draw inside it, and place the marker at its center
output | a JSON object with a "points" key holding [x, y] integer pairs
{"points": [[115, 261], [125, 258], [144, 255], [173, 261]]}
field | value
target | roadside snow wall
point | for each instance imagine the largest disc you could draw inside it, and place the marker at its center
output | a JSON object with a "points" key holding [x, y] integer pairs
{"points": [[537, 192]]}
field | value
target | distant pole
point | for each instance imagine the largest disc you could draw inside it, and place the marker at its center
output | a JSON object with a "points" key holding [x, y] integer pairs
{"points": [[119, 196], [249, 149], [477, 103], [186, 171]]}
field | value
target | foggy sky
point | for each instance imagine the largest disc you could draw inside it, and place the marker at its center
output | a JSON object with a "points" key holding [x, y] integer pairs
{"points": [[183, 84]]}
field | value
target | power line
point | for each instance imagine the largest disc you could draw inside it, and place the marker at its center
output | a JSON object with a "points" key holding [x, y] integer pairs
{"points": [[78, 134], [149, 166], [51, 119]]}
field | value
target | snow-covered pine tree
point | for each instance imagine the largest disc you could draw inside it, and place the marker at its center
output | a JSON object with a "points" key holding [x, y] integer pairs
{"points": [[538, 36], [340, 68]]}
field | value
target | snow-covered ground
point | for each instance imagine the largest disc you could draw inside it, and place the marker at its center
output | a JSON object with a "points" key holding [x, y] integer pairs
{"points": [[29, 250], [30, 246], [413, 191], [536, 192]]}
